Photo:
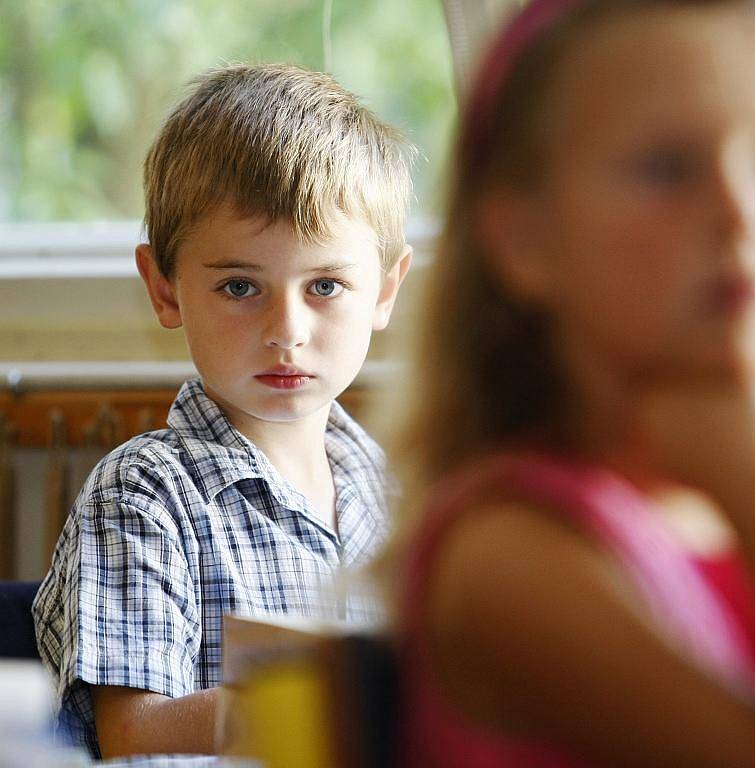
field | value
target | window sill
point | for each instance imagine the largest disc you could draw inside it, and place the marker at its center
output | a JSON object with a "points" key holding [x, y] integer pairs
{"points": [[68, 249], [106, 249], [24, 377]]}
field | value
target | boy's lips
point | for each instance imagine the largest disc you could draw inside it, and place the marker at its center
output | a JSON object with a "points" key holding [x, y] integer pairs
{"points": [[284, 377]]}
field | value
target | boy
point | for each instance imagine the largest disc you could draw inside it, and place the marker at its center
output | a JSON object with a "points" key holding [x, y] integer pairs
{"points": [[274, 210]]}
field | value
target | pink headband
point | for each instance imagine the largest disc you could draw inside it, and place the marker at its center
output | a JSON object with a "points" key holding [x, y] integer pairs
{"points": [[515, 37]]}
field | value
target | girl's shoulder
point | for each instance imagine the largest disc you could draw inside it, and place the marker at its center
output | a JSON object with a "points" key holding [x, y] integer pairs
{"points": [[535, 486], [506, 525], [519, 525], [534, 574]]}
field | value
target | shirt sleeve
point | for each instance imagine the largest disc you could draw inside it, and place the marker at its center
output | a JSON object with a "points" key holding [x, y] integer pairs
{"points": [[130, 601]]}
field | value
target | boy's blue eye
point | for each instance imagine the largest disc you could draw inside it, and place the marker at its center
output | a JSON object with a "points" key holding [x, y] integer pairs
{"points": [[326, 288], [239, 289]]}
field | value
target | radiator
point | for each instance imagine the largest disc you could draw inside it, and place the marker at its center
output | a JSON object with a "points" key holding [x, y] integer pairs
{"points": [[58, 419]]}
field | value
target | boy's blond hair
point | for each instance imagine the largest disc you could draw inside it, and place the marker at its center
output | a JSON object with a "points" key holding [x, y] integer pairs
{"points": [[279, 141]]}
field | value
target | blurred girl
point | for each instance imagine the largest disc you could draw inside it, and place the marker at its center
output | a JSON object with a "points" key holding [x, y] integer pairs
{"points": [[580, 454]]}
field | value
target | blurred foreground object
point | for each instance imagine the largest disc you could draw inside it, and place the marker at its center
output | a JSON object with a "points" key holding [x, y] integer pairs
{"points": [[307, 694], [25, 720]]}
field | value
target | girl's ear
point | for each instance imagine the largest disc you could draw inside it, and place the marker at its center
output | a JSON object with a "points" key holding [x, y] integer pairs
{"points": [[512, 232], [389, 289], [161, 291]]}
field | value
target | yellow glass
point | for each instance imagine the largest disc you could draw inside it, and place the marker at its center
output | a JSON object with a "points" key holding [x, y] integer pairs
{"points": [[280, 715]]}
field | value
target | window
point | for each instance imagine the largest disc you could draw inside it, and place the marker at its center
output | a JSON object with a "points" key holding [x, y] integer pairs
{"points": [[84, 85], [83, 88]]}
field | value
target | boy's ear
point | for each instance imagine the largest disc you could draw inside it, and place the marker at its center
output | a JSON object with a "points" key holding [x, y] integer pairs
{"points": [[160, 289], [389, 289], [513, 236]]}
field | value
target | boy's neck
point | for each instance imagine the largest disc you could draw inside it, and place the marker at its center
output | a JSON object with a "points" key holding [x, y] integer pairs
{"points": [[297, 451]]}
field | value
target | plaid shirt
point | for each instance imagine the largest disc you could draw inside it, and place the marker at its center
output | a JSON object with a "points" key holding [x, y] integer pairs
{"points": [[179, 526]]}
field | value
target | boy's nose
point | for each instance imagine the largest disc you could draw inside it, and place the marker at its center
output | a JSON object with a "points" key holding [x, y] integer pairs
{"points": [[286, 325]]}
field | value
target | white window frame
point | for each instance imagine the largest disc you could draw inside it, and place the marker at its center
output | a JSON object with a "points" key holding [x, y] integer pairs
{"points": [[32, 250]]}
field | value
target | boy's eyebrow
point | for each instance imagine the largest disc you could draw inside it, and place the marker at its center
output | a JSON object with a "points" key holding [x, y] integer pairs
{"points": [[236, 264], [332, 267], [233, 264]]}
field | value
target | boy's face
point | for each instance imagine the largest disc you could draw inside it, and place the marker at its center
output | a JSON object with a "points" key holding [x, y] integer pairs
{"points": [[276, 328]]}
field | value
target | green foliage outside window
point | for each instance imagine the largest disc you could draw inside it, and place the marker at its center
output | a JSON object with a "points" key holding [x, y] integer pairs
{"points": [[84, 85]]}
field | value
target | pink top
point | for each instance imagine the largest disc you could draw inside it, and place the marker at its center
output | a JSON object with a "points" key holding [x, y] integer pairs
{"points": [[705, 606]]}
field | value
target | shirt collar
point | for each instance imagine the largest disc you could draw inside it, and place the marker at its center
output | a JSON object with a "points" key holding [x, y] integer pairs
{"points": [[359, 475], [221, 456], [218, 453]]}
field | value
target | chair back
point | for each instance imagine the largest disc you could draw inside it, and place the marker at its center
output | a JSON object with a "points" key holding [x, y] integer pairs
{"points": [[365, 701], [17, 637]]}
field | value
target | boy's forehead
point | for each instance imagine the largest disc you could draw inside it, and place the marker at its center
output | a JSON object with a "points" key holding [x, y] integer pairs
{"points": [[227, 233], [335, 223]]}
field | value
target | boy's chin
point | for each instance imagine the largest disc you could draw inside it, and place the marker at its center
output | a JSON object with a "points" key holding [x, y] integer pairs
{"points": [[288, 413], [244, 412]]}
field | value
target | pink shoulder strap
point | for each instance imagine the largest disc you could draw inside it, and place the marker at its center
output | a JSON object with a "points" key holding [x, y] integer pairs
{"points": [[614, 513]]}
